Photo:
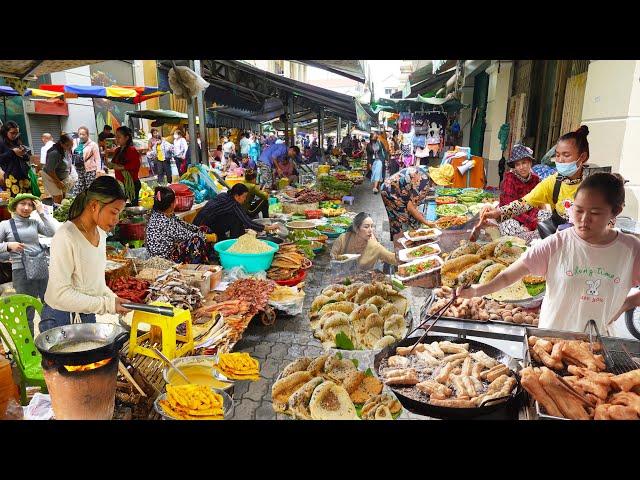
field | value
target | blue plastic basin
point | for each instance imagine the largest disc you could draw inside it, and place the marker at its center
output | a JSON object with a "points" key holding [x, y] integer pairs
{"points": [[252, 262]]}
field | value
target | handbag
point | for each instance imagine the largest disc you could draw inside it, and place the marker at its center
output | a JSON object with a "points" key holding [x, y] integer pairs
{"points": [[36, 266]]}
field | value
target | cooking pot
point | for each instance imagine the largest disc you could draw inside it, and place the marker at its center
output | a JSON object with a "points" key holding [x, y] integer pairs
{"points": [[104, 340]]}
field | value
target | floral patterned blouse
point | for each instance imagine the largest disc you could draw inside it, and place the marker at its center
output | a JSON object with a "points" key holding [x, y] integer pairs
{"points": [[164, 232]]}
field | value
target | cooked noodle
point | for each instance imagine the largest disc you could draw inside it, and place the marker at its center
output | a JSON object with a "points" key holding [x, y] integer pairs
{"points": [[248, 243]]}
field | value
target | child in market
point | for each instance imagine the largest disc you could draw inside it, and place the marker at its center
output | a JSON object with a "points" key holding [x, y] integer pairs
{"points": [[590, 268]]}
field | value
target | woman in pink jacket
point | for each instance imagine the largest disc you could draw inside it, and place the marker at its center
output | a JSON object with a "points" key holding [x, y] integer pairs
{"points": [[86, 159]]}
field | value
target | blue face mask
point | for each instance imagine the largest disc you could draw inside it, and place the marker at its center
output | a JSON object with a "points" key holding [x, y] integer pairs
{"points": [[567, 169]]}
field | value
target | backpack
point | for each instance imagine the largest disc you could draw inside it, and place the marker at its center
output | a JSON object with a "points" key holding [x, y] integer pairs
{"points": [[405, 122]]}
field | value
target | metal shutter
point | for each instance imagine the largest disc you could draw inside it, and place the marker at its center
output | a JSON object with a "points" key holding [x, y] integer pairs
{"points": [[39, 124]]}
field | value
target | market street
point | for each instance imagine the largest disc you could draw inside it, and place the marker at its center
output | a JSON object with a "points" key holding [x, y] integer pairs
{"points": [[291, 337]]}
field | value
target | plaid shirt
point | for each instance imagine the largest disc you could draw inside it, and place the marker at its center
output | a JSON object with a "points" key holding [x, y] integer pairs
{"points": [[514, 189]]}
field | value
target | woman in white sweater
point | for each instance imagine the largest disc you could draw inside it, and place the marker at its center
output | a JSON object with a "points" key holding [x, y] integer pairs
{"points": [[77, 290]]}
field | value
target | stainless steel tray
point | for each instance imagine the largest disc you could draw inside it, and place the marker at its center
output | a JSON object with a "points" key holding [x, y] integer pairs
{"points": [[613, 344]]}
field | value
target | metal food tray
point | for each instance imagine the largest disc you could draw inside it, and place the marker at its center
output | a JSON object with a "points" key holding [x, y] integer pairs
{"points": [[623, 362], [429, 302]]}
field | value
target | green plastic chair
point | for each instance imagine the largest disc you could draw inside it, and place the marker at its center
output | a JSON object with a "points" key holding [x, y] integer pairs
{"points": [[13, 316]]}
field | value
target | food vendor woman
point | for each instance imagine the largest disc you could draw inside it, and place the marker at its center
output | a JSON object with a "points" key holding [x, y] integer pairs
{"points": [[77, 290], [225, 216], [14, 160], [172, 238], [360, 240], [558, 191], [401, 193], [126, 163], [516, 184], [589, 268]]}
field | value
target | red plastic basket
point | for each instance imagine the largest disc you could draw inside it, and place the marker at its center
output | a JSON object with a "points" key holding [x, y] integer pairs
{"points": [[294, 281], [184, 203], [313, 214]]}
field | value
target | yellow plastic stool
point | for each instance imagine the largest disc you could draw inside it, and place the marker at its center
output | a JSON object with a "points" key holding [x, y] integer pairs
{"points": [[167, 326]]}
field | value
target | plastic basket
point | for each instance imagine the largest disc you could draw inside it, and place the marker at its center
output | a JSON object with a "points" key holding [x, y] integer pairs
{"points": [[252, 262], [184, 203]]}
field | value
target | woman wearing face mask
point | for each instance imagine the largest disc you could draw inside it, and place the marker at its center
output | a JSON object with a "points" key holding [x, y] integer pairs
{"points": [[590, 268], [126, 163], [77, 290], [56, 174], [360, 240], [14, 160], [26, 242], [86, 158], [558, 191], [377, 154]]}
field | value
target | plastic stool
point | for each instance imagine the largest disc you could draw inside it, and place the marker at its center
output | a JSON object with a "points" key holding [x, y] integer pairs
{"points": [[348, 199], [167, 326]]}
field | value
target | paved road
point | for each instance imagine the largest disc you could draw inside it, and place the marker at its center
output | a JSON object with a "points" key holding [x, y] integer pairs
{"points": [[291, 337]]}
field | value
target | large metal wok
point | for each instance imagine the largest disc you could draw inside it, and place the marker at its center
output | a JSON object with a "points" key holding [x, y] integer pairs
{"points": [[103, 340], [506, 408]]}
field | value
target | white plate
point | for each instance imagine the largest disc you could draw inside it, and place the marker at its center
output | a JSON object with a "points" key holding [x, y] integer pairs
{"points": [[403, 241], [403, 255], [433, 236], [434, 257], [351, 256]]}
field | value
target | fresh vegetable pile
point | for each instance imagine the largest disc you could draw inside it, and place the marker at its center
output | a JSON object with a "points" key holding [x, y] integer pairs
{"points": [[62, 212], [332, 187], [448, 192], [132, 289], [454, 209]]}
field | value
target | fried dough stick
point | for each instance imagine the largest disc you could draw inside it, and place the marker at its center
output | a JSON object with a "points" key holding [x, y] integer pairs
{"points": [[565, 400], [627, 381], [579, 351], [627, 398], [531, 383]]}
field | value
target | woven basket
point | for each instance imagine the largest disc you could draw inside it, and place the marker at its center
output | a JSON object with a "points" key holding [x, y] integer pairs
{"points": [[125, 269]]}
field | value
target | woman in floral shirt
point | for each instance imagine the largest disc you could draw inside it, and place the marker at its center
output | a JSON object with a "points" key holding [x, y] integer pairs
{"points": [[172, 238], [14, 160], [401, 194]]}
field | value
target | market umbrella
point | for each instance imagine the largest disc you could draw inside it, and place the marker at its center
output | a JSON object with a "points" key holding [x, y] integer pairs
{"points": [[128, 94], [5, 92]]}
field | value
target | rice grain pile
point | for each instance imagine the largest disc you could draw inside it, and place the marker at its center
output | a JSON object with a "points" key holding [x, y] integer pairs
{"points": [[248, 243]]}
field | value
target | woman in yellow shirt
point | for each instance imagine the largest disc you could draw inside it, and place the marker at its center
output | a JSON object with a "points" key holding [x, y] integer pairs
{"points": [[360, 240], [557, 191]]}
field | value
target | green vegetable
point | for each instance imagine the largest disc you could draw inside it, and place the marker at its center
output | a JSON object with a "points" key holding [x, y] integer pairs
{"points": [[451, 209], [343, 342], [62, 212], [355, 362], [339, 355], [536, 289], [368, 373]]}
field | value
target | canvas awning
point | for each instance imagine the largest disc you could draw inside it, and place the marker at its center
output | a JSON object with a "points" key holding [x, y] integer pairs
{"points": [[33, 68], [430, 83], [347, 68]]}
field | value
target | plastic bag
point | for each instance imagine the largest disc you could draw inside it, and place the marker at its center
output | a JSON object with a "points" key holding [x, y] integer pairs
{"points": [[291, 307], [185, 83], [39, 408], [13, 411], [238, 273]]}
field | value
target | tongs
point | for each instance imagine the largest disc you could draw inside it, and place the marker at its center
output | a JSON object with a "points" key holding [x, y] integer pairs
{"points": [[435, 317]]}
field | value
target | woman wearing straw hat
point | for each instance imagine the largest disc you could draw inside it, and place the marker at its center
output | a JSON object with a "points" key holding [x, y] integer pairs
{"points": [[19, 236]]}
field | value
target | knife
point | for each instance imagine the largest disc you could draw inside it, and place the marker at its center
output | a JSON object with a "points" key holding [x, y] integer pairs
{"points": [[155, 309]]}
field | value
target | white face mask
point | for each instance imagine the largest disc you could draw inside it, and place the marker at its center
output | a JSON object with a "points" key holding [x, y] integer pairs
{"points": [[176, 136]]}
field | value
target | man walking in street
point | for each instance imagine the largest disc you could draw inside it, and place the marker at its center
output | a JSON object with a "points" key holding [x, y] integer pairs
{"points": [[47, 143]]}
